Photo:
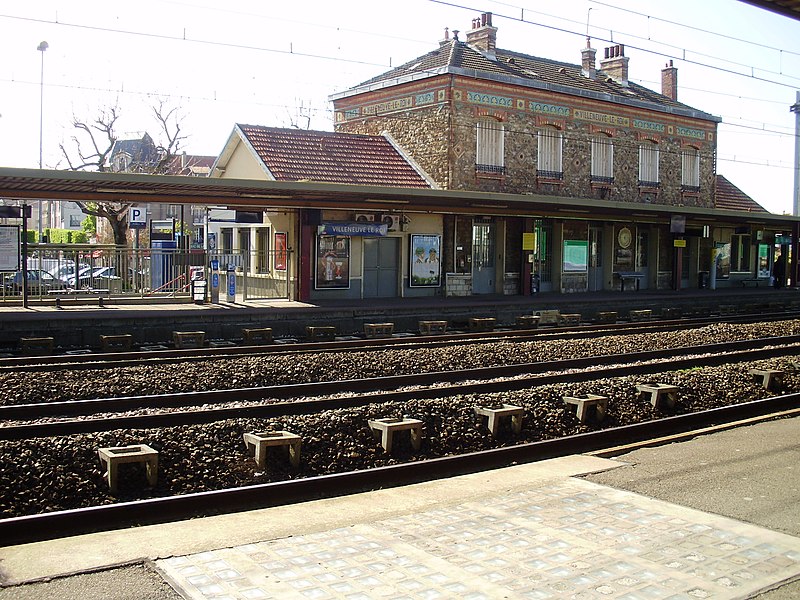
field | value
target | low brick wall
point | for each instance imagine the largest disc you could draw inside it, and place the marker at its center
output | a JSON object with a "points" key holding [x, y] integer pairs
{"points": [[458, 285]]}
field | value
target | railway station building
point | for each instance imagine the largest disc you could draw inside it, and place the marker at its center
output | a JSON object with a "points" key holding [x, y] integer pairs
{"points": [[579, 180], [470, 171]]}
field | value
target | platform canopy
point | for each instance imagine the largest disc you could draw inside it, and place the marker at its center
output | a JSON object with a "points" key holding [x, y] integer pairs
{"points": [[35, 184]]}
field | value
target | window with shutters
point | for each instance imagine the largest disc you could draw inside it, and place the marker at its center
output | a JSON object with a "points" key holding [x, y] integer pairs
{"points": [[602, 159], [648, 164], [490, 147], [550, 148], [690, 170]]}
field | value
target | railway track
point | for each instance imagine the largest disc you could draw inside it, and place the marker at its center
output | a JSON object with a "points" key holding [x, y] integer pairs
{"points": [[310, 397], [98, 360], [347, 404], [31, 528]]}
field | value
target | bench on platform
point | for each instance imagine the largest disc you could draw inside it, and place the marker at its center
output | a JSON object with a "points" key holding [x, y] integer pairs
{"points": [[633, 276]]}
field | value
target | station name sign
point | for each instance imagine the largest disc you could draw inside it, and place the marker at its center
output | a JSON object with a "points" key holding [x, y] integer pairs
{"points": [[354, 229]]}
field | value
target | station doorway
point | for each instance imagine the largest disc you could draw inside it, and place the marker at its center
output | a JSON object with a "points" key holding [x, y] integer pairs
{"points": [[483, 256], [381, 267]]}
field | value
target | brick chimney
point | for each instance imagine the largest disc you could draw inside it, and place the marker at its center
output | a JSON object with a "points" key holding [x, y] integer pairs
{"points": [[669, 81], [615, 64], [587, 60], [482, 35]]}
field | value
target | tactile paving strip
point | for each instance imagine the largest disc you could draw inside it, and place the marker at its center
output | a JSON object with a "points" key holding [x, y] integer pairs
{"points": [[573, 539]]}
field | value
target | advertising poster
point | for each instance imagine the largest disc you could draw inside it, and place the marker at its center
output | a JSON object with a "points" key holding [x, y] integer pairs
{"points": [[426, 267], [576, 255], [280, 251], [764, 266], [9, 248], [333, 262]]}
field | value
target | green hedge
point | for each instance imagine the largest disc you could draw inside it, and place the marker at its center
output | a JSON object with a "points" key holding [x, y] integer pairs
{"points": [[58, 236]]}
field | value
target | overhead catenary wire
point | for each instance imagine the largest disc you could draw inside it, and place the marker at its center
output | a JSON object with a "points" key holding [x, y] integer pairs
{"points": [[292, 51], [752, 75]]}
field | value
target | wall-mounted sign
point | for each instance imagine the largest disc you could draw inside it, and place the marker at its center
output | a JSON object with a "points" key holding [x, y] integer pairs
{"points": [[529, 241], [162, 230], [9, 248], [333, 262], [576, 255], [679, 243], [764, 266], [353, 229], [137, 217], [426, 267], [280, 251], [677, 224]]}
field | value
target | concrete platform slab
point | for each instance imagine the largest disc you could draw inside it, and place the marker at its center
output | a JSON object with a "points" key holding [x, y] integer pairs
{"points": [[76, 554]]}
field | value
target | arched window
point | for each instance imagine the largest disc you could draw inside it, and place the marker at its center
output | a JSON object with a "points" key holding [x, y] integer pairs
{"points": [[490, 146], [550, 149], [648, 164], [690, 169], [602, 159]]}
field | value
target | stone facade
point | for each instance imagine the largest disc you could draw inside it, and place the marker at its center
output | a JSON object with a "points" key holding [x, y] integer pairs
{"points": [[432, 110], [441, 138]]}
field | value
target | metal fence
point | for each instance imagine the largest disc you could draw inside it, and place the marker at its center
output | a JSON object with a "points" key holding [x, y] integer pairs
{"points": [[92, 270]]}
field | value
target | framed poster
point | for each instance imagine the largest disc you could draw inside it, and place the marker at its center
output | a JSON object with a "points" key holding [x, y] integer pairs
{"points": [[9, 248], [280, 251], [332, 270], [425, 268], [576, 256], [764, 266]]}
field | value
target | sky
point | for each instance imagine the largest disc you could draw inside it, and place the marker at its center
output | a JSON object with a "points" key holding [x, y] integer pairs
{"points": [[276, 63]]}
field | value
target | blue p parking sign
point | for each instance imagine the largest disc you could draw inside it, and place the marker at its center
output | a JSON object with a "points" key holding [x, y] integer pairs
{"points": [[137, 217]]}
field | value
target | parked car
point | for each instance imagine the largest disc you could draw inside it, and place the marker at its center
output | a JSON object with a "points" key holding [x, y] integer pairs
{"points": [[66, 270], [39, 282], [91, 277]]}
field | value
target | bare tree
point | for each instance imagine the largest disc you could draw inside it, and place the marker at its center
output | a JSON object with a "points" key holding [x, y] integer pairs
{"points": [[91, 147], [303, 115]]}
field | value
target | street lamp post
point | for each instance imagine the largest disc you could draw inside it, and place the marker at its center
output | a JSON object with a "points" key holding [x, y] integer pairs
{"points": [[41, 48]]}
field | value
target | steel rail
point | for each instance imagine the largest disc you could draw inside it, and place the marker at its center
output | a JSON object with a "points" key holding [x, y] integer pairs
{"points": [[715, 354], [101, 360], [31, 528]]}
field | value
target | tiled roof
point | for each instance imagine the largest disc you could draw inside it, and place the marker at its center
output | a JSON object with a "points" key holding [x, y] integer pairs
{"points": [[192, 165], [730, 197], [524, 68], [323, 156]]}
